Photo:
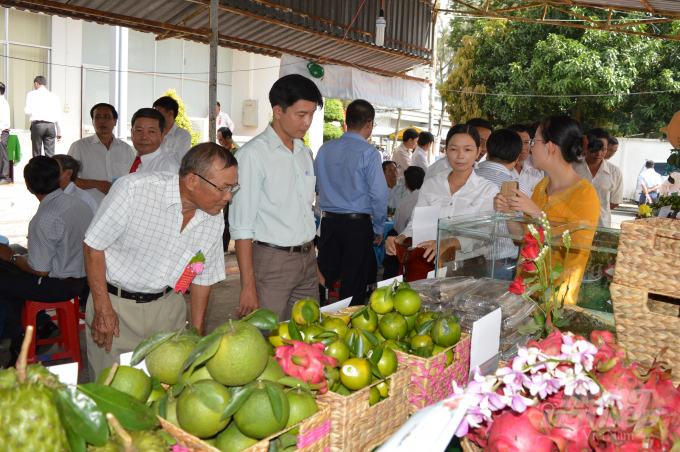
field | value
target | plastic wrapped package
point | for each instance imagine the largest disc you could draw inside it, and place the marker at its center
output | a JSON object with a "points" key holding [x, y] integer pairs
{"points": [[450, 287], [513, 319], [430, 290]]}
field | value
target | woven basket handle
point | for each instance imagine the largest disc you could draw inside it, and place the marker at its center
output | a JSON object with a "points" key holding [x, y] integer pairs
{"points": [[668, 235]]}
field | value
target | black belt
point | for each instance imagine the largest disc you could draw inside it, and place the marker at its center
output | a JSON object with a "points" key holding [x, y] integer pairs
{"points": [[304, 248], [42, 122], [347, 216], [74, 280], [138, 297]]}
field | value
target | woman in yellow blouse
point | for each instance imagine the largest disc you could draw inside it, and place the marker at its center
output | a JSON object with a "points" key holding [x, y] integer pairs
{"points": [[564, 196]]}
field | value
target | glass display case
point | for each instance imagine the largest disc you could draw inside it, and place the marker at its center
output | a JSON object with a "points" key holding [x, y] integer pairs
{"points": [[489, 246]]}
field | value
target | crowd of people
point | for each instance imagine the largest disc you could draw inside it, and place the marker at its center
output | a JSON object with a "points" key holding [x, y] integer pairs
{"points": [[118, 225]]}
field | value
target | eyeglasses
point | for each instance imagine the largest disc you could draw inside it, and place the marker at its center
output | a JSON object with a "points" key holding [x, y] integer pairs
{"points": [[532, 142], [232, 189]]}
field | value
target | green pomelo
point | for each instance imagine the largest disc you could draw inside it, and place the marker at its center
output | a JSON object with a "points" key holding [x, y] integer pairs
{"points": [[273, 372], [197, 418], [166, 361], [302, 405], [241, 357], [232, 440], [129, 380], [256, 417]]}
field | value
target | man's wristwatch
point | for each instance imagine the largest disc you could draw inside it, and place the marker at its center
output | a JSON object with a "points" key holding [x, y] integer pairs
{"points": [[13, 259]]}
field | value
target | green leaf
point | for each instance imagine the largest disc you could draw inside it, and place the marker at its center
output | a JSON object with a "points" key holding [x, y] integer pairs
{"points": [[372, 338], [204, 350], [163, 407], [529, 328], [555, 275], [192, 334], [150, 344], [327, 334], [558, 323], [293, 382], [83, 415], [423, 352], [539, 319], [376, 371], [288, 440], [360, 312], [275, 400], [536, 288], [294, 331], [130, 412], [208, 397], [169, 440], [376, 354], [234, 389], [444, 327], [274, 445], [263, 319], [156, 384], [75, 441], [425, 327], [236, 401], [177, 389], [360, 346], [308, 313], [328, 341], [405, 346]]}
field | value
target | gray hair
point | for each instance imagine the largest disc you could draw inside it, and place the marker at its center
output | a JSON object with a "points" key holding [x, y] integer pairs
{"points": [[200, 158], [66, 162]]}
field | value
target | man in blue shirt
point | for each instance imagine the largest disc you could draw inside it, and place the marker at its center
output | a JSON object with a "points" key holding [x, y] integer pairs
{"points": [[352, 189]]}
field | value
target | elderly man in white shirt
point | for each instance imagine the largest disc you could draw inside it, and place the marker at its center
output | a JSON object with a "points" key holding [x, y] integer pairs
{"points": [[147, 134], [650, 182], [177, 141], [139, 243], [4, 138], [45, 111], [523, 171], [70, 168], [223, 119], [271, 218], [419, 158], [104, 157]]}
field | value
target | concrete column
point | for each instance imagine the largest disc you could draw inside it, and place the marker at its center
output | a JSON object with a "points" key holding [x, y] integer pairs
{"points": [[212, 78], [118, 77]]}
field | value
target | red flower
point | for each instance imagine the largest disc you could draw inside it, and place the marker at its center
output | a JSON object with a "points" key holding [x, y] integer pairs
{"points": [[528, 266], [531, 250], [517, 286], [531, 239]]}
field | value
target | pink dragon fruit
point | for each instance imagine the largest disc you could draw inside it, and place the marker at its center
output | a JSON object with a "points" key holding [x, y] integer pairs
{"points": [[513, 432], [308, 363]]}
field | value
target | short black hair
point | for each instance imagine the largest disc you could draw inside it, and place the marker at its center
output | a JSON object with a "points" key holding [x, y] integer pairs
{"points": [[519, 128], [599, 133], [149, 113], [414, 177], [649, 164], [42, 175], [200, 158], [465, 129], [504, 146], [66, 162], [387, 162], [481, 123], [2, 88], [613, 141], [40, 80], [409, 134], [594, 144], [167, 103], [225, 131], [359, 113], [533, 127], [294, 87], [424, 138], [105, 105], [218, 104]]}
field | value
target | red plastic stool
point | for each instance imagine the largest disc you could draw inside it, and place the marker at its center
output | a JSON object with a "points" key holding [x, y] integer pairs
{"points": [[67, 319]]}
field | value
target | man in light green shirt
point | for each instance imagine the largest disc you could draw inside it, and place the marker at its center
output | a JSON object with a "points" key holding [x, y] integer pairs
{"points": [[271, 218]]}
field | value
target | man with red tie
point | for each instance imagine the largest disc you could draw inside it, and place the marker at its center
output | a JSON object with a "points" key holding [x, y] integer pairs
{"points": [[148, 126]]}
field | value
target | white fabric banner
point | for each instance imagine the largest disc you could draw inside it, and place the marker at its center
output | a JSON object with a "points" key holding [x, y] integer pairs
{"points": [[344, 82]]}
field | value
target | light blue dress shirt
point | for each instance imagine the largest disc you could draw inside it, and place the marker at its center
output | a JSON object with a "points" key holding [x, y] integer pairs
{"points": [[351, 180], [274, 204]]}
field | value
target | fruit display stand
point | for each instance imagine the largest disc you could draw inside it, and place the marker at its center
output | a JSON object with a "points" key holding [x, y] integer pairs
{"points": [[313, 435], [431, 379], [358, 427], [645, 288]]}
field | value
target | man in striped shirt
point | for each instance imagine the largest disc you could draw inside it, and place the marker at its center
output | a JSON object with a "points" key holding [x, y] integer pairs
{"points": [[504, 147]]}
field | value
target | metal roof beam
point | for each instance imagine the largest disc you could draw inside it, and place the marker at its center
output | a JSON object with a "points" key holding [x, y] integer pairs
{"points": [[648, 6]]}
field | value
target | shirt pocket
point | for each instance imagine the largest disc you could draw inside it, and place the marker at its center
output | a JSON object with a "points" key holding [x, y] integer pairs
{"points": [[434, 198]]}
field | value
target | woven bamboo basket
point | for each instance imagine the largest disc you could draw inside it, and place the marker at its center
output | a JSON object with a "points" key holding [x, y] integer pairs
{"points": [[469, 446], [431, 380], [358, 427], [313, 435]]}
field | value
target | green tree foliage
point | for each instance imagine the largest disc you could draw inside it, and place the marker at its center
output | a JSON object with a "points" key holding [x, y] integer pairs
{"points": [[182, 119], [495, 56], [331, 132], [333, 111]]}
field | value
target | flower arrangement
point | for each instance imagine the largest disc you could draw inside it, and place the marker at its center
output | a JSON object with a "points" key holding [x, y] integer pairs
{"points": [[567, 394], [644, 211], [542, 280]]}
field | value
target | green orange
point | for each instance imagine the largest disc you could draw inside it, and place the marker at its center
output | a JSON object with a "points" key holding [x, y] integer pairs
{"points": [[423, 340], [368, 324], [381, 300], [407, 302], [309, 308], [355, 373], [393, 326]]}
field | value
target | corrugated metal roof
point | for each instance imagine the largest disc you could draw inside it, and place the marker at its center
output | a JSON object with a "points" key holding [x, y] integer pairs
{"points": [[659, 6], [306, 28]]}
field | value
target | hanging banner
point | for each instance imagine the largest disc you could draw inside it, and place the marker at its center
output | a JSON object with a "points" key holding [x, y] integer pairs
{"points": [[344, 82]]}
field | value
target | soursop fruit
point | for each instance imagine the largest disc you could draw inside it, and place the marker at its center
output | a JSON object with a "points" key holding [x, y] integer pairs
{"points": [[8, 378], [29, 420]]}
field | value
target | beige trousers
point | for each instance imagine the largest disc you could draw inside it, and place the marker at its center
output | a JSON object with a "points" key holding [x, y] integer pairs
{"points": [[136, 321]]}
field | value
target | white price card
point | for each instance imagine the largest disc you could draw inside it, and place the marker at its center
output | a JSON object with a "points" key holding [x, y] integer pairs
{"points": [[486, 338], [387, 282], [425, 224], [125, 359], [66, 373], [335, 307], [664, 211]]}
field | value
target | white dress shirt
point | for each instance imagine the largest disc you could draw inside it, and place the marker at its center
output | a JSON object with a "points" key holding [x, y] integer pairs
{"points": [[274, 204], [139, 229], [157, 161], [475, 196], [650, 178], [223, 120], [419, 158], [402, 158], [176, 143], [100, 163], [43, 105], [529, 175], [405, 210], [4, 114], [397, 192], [79, 193], [608, 183]]}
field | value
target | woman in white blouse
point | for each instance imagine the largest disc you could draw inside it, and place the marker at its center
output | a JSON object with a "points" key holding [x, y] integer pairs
{"points": [[458, 190]]}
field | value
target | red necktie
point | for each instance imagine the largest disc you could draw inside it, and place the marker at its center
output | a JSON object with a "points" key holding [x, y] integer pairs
{"points": [[135, 164]]}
